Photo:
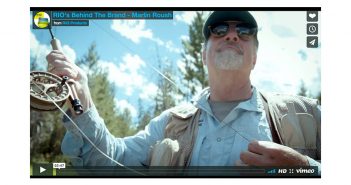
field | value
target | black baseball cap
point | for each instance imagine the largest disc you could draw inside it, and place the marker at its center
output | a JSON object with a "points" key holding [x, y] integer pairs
{"points": [[221, 16]]}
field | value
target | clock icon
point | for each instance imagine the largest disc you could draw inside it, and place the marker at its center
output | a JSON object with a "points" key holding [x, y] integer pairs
{"points": [[312, 29]]}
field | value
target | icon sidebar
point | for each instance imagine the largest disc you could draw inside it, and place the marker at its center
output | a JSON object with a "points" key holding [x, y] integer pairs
{"points": [[312, 29]]}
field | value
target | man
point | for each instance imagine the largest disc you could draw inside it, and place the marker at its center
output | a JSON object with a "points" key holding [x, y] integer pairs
{"points": [[229, 123]]}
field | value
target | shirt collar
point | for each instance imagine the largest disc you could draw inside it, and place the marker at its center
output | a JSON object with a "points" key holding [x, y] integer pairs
{"points": [[253, 104]]}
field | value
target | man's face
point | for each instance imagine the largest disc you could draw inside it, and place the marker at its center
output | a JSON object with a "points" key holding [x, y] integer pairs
{"points": [[230, 50]]}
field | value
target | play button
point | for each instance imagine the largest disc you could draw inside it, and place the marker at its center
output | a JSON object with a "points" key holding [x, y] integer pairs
{"points": [[42, 170]]}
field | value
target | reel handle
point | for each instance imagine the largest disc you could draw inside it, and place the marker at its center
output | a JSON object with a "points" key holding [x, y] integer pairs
{"points": [[77, 107]]}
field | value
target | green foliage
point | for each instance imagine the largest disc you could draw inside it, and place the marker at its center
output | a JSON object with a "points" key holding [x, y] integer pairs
{"points": [[195, 74], [46, 133], [46, 128], [90, 59], [164, 98], [102, 92], [166, 90], [144, 116]]}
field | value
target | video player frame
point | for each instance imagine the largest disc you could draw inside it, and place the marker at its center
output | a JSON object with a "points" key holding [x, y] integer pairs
{"points": [[148, 43]]}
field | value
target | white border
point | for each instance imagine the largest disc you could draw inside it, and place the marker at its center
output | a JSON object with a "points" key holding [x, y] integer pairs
{"points": [[335, 88]]}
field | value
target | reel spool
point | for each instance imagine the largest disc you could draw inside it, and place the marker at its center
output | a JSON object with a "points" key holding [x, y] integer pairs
{"points": [[55, 87], [47, 89]]}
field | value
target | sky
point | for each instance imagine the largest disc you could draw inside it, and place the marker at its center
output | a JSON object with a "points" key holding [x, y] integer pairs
{"points": [[129, 49]]}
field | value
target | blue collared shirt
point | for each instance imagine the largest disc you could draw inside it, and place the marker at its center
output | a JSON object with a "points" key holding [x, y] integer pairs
{"points": [[218, 143]]}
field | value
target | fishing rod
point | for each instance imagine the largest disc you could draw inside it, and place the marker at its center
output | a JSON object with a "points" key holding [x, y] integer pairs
{"points": [[58, 88], [50, 92]]}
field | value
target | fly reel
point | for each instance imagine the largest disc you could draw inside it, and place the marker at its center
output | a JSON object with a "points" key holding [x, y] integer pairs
{"points": [[47, 89]]}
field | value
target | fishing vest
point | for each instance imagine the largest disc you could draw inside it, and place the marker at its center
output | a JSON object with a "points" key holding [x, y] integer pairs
{"points": [[294, 121]]}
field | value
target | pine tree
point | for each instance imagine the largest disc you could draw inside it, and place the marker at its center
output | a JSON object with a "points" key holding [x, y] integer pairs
{"points": [[117, 121], [46, 128], [195, 74], [166, 90], [144, 116]]}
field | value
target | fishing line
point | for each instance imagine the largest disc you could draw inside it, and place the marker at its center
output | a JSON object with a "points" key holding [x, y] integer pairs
{"points": [[85, 136]]}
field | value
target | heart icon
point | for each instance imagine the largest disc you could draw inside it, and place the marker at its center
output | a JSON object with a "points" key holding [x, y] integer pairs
{"points": [[312, 15]]}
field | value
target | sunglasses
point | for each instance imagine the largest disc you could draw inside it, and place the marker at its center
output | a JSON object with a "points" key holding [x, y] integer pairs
{"points": [[243, 30]]}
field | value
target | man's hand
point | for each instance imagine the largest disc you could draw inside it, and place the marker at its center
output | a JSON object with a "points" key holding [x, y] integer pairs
{"points": [[61, 66], [265, 153]]}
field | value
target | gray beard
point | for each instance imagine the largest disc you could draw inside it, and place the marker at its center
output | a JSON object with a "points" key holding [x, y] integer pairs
{"points": [[228, 60]]}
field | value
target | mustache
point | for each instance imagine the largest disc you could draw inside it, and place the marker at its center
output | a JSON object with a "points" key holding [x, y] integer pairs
{"points": [[232, 44]]}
